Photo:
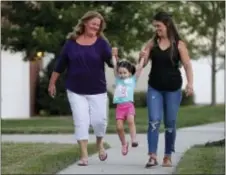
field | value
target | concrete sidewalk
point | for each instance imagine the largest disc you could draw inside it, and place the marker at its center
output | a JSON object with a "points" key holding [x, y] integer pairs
{"points": [[136, 159]]}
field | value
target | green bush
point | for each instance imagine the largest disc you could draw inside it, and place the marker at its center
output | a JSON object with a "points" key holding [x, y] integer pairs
{"points": [[47, 106], [186, 101], [140, 99], [110, 98]]}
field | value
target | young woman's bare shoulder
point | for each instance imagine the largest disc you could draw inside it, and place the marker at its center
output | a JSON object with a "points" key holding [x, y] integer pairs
{"points": [[181, 44], [149, 44]]}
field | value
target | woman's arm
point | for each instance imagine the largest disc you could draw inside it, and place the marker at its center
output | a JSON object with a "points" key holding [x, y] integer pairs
{"points": [[185, 59], [60, 66], [107, 53], [54, 77]]}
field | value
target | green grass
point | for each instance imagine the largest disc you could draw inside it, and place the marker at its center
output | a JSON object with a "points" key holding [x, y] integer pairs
{"points": [[188, 116], [202, 160], [39, 158]]}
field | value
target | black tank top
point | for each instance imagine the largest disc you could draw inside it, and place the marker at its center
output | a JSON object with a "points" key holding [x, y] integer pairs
{"points": [[165, 74]]}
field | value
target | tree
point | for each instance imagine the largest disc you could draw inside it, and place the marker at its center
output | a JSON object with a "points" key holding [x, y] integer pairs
{"points": [[207, 21], [202, 25], [42, 26], [37, 27]]}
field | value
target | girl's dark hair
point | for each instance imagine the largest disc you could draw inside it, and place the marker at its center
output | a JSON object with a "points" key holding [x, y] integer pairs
{"points": [[128, 65], [172, 32]]}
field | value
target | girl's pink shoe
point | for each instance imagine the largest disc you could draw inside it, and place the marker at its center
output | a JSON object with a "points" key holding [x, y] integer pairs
{"points": [[134, 144], [125, 149]]}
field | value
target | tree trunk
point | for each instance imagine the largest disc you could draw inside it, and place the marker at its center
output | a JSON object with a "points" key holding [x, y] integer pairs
{"points": [[34, 80], [213, 68]]}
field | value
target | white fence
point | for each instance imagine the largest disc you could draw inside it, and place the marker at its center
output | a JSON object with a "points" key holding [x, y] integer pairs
{"points": [[15, 86]]}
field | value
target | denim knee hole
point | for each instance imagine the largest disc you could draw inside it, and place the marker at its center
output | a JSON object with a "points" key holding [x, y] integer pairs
{"points": [[170, 130], [153, 125]]}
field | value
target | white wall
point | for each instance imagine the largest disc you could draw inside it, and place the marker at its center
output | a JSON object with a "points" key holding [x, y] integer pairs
{"points": [[15, 86], [202, 82]]}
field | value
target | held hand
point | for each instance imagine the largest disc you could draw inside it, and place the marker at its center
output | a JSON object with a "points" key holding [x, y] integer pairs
{"points": [[143, 54], [115, 52], [189, 90], [52, 90]]}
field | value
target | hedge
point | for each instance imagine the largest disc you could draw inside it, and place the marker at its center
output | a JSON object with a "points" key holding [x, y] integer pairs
{"points": [[45, 105], [140, 99]]}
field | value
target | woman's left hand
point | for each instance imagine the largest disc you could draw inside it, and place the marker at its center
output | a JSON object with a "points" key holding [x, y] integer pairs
{"points": [[189, 90]]}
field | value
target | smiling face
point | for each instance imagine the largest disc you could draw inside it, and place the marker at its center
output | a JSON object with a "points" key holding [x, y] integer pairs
{"points": [[92, 26], [123, 72], [160, 28]]}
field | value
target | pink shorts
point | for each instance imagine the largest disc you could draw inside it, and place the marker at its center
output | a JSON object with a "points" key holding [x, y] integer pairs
{"points": [[124, 110]]}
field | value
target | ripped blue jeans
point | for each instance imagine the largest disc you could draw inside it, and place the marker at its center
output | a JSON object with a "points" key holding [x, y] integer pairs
{"points": [[162, 104]]}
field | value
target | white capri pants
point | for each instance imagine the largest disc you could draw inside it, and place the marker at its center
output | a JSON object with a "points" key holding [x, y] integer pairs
{"points": [[88, 110]]}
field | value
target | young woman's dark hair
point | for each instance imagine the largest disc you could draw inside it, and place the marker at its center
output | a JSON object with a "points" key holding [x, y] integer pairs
{"points": [[172, 32], [128, 65]]}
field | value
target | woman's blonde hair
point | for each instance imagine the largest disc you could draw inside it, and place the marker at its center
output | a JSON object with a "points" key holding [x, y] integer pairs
{"points": [[79, 29]]}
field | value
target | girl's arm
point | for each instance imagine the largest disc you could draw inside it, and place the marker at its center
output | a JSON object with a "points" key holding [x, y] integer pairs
{"points": [[145, 53], [139, 67], [114, 61]]}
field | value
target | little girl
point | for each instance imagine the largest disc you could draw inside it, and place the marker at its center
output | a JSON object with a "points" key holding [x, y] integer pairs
{"points": [[126, 75]]}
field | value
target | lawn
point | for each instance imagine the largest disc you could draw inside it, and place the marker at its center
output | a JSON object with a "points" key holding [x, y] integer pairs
{"points": [[203, 160], [39, 158], [188, 116]]}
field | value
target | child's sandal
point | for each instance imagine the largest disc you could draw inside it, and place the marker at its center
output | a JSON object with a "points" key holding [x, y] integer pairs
{"points": [[134, 144], [125, 149]]}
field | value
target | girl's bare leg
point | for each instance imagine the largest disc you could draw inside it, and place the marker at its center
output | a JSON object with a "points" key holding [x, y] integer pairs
{"points": [[132, 128], [121, 134]]}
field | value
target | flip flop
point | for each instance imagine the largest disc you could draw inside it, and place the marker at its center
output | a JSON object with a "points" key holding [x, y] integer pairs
{"points": [[151, 162], [83, 162], [103, 155], [167, 162]]}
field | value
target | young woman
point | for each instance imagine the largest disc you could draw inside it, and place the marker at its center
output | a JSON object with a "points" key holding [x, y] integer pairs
{"points": [[166, 51]]}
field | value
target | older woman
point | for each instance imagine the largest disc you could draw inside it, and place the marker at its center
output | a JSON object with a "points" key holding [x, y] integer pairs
{"points": [[166, 51], [84, 56]]}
